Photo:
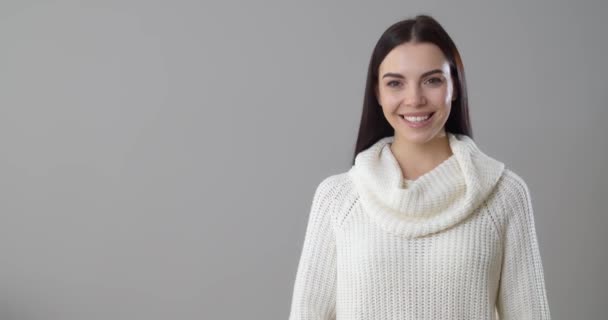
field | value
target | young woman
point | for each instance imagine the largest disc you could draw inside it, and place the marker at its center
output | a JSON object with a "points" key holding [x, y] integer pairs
{"points": [[424, 225]]}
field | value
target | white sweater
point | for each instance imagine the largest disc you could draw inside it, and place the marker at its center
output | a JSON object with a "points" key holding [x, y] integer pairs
{"points": [[459, 242]]}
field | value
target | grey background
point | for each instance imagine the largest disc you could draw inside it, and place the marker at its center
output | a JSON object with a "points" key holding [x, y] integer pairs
{"points": [[159, 158]]}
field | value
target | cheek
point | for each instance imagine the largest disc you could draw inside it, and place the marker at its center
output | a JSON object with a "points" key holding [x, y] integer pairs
{"points": [[390, 104], [439, 96], [445, 113], [389, 98], [389, 111]]}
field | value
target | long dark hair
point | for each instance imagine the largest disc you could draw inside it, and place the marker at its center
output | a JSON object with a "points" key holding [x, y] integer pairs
{"points": [[422, 28]]}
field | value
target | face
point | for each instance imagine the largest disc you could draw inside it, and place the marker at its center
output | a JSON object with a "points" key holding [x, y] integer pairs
{"points": [[414, 80]]}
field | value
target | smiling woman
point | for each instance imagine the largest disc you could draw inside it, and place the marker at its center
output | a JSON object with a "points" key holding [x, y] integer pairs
{"points": [[424, 225], [416, 91]]}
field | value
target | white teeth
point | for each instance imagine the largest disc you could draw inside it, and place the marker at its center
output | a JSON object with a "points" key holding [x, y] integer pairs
{"points": [[417, 119]]}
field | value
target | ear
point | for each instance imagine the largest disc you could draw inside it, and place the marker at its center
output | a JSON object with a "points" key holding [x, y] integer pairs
{"points": [[376, 92]]}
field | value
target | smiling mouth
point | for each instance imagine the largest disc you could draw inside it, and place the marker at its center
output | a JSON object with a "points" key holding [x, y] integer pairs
{"points": [[429, 116]]}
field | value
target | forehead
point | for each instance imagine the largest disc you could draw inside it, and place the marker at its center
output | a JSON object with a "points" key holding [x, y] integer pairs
{"points": [[414, 59]]}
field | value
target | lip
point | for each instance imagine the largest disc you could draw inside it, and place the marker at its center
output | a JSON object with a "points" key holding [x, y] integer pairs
{"points": [[417, 114], [418, 124]]}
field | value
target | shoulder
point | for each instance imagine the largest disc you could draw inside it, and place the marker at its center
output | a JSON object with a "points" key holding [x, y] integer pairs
{"points": [[334, 187], [336, 180], [336, 192], [513, 200], [513, 187]]}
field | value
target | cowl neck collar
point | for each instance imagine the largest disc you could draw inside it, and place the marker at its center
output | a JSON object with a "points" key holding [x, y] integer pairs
{"points": [[435, 201]]}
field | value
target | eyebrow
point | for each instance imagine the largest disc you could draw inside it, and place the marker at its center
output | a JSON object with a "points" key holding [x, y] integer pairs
{"points": [[400, 76]]}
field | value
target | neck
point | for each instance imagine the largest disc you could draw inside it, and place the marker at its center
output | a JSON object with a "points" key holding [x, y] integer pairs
{"points": [[417, 159]]}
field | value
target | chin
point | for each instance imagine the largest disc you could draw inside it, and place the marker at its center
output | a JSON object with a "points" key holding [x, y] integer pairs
{"points": [[420, 138]]}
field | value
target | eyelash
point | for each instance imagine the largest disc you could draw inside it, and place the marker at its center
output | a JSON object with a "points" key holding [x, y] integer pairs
{"points": [[440, 81]]}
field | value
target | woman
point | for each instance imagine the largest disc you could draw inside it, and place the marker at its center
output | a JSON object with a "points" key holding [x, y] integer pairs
{"points": [[424, 225]]}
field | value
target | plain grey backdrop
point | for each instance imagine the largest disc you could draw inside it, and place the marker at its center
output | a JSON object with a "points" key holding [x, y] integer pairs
{"points": [[159, 158]]}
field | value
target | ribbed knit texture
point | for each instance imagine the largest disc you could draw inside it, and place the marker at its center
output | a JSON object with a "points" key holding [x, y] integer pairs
{"points": [[459, 242]]}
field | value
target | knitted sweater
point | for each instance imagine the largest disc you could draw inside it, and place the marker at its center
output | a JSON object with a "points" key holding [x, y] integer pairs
{"points": [[458, 242]]}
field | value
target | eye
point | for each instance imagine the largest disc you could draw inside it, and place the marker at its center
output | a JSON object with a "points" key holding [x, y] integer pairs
{"points": [[435, 81], [393, 83]]}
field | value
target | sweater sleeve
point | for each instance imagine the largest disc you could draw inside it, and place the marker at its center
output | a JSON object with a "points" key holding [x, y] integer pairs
{"points": [[521, 293], [314, 292]]}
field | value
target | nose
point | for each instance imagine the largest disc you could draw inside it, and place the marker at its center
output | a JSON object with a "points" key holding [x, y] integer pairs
{"points": [[414, 96]]}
